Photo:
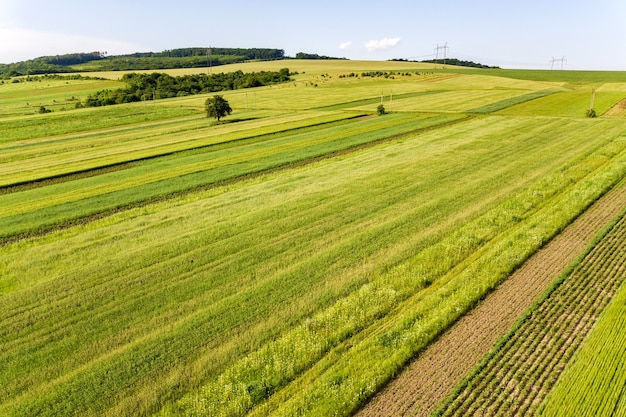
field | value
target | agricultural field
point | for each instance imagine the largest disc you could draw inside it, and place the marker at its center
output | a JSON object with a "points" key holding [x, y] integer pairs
{"points": [[594, 383], [292, 259], [26, 95], [426, 382], [545, 339]]}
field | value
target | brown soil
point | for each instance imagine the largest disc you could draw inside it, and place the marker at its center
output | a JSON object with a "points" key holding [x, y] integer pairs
{"points": [[436, 371], [618, 110]]}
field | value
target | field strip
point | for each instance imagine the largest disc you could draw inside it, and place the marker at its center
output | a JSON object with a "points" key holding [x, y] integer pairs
{"points": [[594, 382], [510, 102], [435, 372], [392, 318], [163, 178], [515, 377], [63, 159]]}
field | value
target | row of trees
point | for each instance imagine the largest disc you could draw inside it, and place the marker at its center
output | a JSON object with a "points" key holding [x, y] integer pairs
{"points": [[174, 58], [449, 61], [265, 54], [458, 62], [304, 55], [158, 85]]}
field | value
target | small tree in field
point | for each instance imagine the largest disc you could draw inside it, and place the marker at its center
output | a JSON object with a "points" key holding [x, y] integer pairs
{"points": [[217, 107], [380, 110]]}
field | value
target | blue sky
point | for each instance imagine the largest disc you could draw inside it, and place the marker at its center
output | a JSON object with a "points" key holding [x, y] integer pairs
{"points": [[510, 34]]}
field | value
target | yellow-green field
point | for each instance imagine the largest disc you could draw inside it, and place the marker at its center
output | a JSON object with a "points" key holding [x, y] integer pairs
{"points": [[290, 260]]}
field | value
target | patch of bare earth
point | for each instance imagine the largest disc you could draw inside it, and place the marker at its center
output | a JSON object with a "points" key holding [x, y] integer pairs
{"points": [[515, 378], [437, 370], [618, 110]]}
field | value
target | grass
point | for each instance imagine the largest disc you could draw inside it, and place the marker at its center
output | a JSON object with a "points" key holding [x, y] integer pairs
{"points": [[188, 267], [504, 382], [25, 98], [593, 383], [44, 126], [509, 102], [32, 160], [287, 240], [60, 203], [457, 272], [565, 104]]}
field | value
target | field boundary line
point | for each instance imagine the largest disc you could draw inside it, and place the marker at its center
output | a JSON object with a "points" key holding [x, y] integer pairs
{"points": [[435, 372], [104, 168], [533, 310], [251, 175]]}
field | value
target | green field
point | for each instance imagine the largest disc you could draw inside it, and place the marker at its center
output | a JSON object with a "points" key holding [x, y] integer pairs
{"points": [[503, 384], [25, 97], [291, 260], [595, 382]]}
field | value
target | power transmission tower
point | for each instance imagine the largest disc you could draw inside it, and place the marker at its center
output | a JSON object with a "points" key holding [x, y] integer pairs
{"points": [[561, 60], [445, 52]]}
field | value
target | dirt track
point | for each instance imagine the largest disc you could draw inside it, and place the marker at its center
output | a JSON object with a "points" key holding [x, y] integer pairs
{"points": [[436, 371]]}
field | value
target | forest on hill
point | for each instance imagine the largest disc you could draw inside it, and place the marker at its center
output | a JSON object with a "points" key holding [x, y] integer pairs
{"points": [[174, 58]]}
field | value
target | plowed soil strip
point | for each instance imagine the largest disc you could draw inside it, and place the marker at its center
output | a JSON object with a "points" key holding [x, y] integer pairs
{"points": [[437, 370], [517, 377]]}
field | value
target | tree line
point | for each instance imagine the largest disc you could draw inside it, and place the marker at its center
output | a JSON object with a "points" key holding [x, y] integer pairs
{"points": [[304, 55], [449, 61], [458, 62], [174, 58], [158, 85]]}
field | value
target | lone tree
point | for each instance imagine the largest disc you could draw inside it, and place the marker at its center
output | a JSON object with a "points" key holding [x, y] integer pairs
{"points": [[217, 107]]}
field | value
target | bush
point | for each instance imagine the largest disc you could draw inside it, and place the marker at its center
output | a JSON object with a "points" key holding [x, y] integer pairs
{"points": [[380, 110]]}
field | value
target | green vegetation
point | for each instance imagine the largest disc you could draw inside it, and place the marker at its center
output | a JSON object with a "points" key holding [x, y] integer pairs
{"points": [[502, 382], [217, 107], [458, 62], [175, 58], [509, 102], [62, 202], [141, 87], [593, 385], [303, 55], [289, 261], [24, 96]]}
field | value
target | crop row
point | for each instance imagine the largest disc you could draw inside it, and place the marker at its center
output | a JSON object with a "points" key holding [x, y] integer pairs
{"points": [[121, 315], [25, 97], [42, 126], [594, 383], [509, 102], [59, 203], [34, 160], [436, 371], [452, 101], [523, 367], [331, 364], [565, 103]]}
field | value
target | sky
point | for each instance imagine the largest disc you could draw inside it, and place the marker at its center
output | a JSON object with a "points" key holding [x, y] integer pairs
{"points": [[568, 34]]}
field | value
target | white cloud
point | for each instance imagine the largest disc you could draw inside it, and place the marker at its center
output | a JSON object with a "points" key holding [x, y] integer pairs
{"points": [[345, 45], [385, 43], [26, 44]]}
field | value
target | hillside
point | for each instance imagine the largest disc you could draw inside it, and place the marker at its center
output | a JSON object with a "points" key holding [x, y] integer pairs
{"points": [[175, 58]]}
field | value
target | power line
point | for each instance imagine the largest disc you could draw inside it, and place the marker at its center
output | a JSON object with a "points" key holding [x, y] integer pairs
{"points": [[445, 51], [561, 60]]}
